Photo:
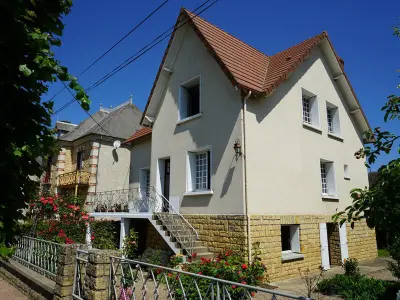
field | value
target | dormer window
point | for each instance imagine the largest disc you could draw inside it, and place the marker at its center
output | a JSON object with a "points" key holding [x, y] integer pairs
{"points": [[189, 99]]}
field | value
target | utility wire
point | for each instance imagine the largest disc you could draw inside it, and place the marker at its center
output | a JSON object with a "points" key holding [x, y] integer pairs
{"points": [[66, 87], [117, 43], [139, 53]]}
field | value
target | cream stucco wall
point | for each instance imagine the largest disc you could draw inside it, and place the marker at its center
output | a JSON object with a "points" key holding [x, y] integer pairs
{"points": [[283, 157], [140, 158], [112, 168], [218, 128]]}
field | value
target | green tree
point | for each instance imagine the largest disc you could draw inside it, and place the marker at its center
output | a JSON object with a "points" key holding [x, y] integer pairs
{"points": [[30, 29]]}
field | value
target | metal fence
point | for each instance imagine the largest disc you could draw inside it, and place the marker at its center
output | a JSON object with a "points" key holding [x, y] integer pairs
{"points": [[79, 276], [131, 279], [39, 255]]}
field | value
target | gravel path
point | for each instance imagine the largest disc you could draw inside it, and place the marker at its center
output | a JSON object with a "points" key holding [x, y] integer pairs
{"points": [[8, 291]]}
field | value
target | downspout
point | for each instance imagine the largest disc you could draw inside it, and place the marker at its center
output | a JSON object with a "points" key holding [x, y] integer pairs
{"points": [[246, 204]]}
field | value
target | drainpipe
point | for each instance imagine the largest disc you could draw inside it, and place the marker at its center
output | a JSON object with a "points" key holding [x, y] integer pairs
{"points": [[246, 204]]}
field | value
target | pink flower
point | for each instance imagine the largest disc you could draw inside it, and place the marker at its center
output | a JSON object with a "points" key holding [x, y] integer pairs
{"points": [[244, 266]]}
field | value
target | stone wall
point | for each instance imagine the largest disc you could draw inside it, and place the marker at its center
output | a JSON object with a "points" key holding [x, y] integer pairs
{"points": [[219, 232], [154, 239], [362, 241]]}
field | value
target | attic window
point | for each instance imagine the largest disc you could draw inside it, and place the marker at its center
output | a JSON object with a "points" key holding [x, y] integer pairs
{"points": [[189, 99]]}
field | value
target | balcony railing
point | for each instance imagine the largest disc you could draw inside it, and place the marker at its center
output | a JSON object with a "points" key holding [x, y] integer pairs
{"points": [[147, 200], [74, 178]]}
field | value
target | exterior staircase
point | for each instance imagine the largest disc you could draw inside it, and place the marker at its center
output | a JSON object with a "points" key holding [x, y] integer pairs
{"points": [[172, 237]]}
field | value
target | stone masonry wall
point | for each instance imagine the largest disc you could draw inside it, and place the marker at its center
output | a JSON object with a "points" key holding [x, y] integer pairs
{"points": [[219, 232], [154, 239]]}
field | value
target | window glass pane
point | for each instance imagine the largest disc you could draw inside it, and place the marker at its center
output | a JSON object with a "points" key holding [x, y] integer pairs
{"points": [[285, 237], [329, 114], [306, 110], [193, 104], [202, 173], [323, 179]]}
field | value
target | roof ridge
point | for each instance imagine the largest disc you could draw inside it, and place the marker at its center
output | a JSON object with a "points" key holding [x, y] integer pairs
{"points": [[198, 17]]}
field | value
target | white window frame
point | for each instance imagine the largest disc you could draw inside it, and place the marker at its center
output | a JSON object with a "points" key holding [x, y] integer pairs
{"points": [[313, 113], [294, 252], [334, 129], [346, 171], [330, 179], [191, 189], [182, 105]]}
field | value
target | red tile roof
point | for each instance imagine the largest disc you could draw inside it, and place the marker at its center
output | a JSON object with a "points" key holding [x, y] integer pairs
{"points": [[246, 67], [138, 134]]}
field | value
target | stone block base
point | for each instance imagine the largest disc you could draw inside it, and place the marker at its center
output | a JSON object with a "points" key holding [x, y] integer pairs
{"points": [[219, 232]]}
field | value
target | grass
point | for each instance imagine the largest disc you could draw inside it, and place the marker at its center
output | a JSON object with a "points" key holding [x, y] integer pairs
{"points": [[383, 253]]}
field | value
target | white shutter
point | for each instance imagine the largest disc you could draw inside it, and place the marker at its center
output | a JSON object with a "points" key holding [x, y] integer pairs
{"points": [[295, 238], [330, 178], [191, 172], [344, 246], [314, 111], [183, 103], [323, 235]]}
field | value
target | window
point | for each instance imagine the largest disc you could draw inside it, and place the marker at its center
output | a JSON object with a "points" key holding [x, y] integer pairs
{"points": [[310, 109], [189, 102], [199, 171], [346, 172], [79, 160], [328, 186], [290, 238], [332, 115]]}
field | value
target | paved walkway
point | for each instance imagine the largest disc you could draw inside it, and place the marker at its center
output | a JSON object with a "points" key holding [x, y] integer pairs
{"points": [[295, 285], [8, 291]]}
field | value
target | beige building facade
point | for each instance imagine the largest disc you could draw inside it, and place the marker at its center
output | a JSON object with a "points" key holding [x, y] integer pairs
{"points": [[256, 150]]}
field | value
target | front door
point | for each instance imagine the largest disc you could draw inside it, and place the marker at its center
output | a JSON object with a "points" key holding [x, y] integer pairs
{"points": [[167, 172]]}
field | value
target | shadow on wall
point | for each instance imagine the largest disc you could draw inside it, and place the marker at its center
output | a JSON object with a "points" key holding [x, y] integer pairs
{"points": [[196, 201], [115, 155]]}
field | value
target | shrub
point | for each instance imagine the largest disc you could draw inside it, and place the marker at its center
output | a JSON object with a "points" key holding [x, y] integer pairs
{"points": [[156, 257], [130, 246], [105, 234], [394, 250], [350, 267]]}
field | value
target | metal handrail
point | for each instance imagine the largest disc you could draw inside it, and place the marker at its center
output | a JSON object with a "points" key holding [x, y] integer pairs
{"points": [[148, 200], [134, 275]]}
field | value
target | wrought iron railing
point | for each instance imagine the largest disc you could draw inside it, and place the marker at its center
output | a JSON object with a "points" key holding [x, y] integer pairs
{"points": [[131, 279], [73, 178], [39, 255], [78, 291], [148, 200]]}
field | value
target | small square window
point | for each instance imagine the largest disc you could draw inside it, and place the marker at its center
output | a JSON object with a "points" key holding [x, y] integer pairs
{"points": [[332, 115], [199, 175], [189, 102], [310, 109], [346, 172], [328, 186], [290, 238]]}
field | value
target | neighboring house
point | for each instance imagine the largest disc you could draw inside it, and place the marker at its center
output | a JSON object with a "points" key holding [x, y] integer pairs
{"points": [[88, 161], [241, 148]]}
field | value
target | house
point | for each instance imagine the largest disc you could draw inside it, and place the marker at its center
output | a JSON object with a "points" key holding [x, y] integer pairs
{"points": [[242, 149], [90, 160]]}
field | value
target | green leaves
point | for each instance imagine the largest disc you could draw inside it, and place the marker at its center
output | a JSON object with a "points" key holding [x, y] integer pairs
{"points": [[25, 70]]}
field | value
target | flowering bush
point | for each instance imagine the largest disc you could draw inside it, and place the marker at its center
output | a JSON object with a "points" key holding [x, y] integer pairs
{"points": [[176, 260], [131, 244], [230, 265]]}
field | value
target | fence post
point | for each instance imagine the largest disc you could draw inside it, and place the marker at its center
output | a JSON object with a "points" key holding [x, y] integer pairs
{"points": [[65, 272], [98, 274]]}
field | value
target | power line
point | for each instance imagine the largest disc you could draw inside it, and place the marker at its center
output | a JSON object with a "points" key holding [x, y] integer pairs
{"points": [[117, 43], [65, 86], [139, 53]]}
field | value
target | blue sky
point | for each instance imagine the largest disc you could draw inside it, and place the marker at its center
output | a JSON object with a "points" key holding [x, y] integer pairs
{"points": [[361, 32]]}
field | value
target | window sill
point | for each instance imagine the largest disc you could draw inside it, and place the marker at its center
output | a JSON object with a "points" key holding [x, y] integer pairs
{"points": [[347, 178], [199, 193], [330, 197], [288, 256], [189, 118], [336, 137], [312, 127]]}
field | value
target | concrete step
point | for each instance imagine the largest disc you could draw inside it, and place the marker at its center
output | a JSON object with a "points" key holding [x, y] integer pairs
{"points": [[208, 255], [199, 249]]}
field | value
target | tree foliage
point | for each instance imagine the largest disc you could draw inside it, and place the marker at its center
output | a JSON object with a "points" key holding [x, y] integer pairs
{"points": [[30, 30], [380, 203]]}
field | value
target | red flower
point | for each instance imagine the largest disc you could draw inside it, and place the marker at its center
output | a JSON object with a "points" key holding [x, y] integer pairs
{"points": [[252, 294], [85, 217], [200, 273], [194, 255], [243, 282], [92, 238], [234, 286], [68, 241], [244, 266]]}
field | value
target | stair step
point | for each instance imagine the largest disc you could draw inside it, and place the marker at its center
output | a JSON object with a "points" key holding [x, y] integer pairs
{"points": [[199, 249], [205, 255]]}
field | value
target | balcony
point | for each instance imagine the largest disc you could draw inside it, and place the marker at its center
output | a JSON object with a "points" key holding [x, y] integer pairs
{"points": [[74, 178]]}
